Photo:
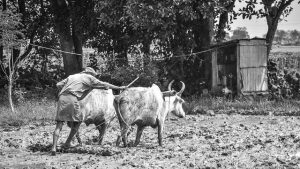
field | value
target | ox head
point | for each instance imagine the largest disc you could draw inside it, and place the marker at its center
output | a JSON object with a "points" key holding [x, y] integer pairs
{"points": [[174, 101]]}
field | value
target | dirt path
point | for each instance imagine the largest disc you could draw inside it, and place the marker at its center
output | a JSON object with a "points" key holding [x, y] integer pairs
{"points": [[198, 141]]}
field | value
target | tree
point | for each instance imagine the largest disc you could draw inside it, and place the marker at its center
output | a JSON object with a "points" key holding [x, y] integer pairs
{"points": [[224, 21], [295, 36], [240, 33], [185, 25], [280, 35], [115, 33], [10, 32], [35, 18], [273, 10], [74, 22]]}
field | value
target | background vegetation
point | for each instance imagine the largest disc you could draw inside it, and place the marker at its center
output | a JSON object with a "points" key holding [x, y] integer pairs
{"points": [[130, 38]]}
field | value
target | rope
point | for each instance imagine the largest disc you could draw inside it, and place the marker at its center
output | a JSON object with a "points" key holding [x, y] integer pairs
{"points": [[191, 54], [55, 49]]}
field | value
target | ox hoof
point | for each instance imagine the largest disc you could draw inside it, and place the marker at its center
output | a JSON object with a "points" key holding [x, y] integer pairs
{"points": [[118, 141], [66, 146], [131, 144], [53, 153]]}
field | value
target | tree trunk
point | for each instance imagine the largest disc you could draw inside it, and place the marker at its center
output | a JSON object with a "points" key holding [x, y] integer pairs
{"points": [[10, 86], [70, 61], [203, 32], [272, 22], [221, 33], [270, 35], [63, 22], [77, 39], [1, 47], [223, 21], [11, 81], [4, 5], [21, 4], [273, 15], [1, 53]]}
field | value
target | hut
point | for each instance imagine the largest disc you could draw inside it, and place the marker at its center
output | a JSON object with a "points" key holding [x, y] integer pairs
{"points": [[241, 66]]}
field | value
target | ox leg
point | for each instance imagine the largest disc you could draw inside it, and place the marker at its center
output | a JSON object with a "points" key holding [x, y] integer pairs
{"points": [[73, 131], [118, 141], [125, 132], [139, 132], [71, 124], [56, 132], [102, 129], [78, 138], [160, 130], [124, 135]]}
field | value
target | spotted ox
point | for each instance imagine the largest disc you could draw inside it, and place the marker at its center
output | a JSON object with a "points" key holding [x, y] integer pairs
{"points": [[96, 108], [146, 106]]}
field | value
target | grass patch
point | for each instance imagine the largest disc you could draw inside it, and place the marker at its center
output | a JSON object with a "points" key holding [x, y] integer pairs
{"points": [[28, 111], [220, 104], [44, 110]]}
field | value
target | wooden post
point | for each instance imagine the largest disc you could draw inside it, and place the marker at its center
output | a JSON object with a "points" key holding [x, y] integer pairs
{"points": [[238, 71], [214, 70]]}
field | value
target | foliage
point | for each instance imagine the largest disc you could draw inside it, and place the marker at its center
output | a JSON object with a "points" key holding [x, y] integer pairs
{"points": [[159, 28], [171, 22], [11, 36], [270, 7], [283, 83], [289, 37], [148, 74], [240, 33], [174, 26], [10, 24], [273, 10]]}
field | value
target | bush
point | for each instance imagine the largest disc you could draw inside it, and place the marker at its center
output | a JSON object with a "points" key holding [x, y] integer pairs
{"points": [[283, 83], [124, 75]]}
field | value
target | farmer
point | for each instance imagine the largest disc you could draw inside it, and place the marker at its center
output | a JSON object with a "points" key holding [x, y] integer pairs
{"points": [[68, 109]]}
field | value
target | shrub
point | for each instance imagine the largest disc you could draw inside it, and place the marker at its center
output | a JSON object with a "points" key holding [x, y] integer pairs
{"points": [[148, 74]]}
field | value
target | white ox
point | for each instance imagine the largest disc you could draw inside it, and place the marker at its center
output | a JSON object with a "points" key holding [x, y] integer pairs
{"points": [[97, 108], [146, 106]]}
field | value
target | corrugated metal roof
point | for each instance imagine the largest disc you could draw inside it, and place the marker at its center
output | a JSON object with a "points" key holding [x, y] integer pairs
{"points": [[233, 42]]}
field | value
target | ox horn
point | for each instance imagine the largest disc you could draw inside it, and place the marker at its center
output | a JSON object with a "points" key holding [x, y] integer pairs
{"points": [[170, 85], [169, 93], [182, 88]]}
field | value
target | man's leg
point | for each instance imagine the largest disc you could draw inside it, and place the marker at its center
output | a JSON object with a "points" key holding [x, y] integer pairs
{"points": [[56, 132], [73, 131]]}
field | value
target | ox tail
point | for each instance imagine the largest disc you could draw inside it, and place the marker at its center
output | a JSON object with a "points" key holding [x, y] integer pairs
{"points": [[122, 121], [117, 102]]}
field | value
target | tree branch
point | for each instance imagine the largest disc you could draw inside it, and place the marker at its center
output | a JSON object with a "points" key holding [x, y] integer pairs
{"points": [[33, 33]]}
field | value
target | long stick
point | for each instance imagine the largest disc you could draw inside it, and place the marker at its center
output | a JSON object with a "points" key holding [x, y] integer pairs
{"points": [[133, 81]]}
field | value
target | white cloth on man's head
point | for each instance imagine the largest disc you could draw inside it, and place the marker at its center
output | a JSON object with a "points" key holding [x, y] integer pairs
{"points": [[90, 70]]}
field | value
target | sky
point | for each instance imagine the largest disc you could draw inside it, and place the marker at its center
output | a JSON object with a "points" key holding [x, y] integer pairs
{"points": [[258, 27]]}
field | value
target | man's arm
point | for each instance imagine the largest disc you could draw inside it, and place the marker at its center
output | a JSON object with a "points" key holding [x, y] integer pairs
{"points": [[98, 83], [61, 84]]}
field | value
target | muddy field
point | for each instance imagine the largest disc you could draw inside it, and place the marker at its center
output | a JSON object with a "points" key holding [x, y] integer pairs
{"points": [[198, 141]]}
